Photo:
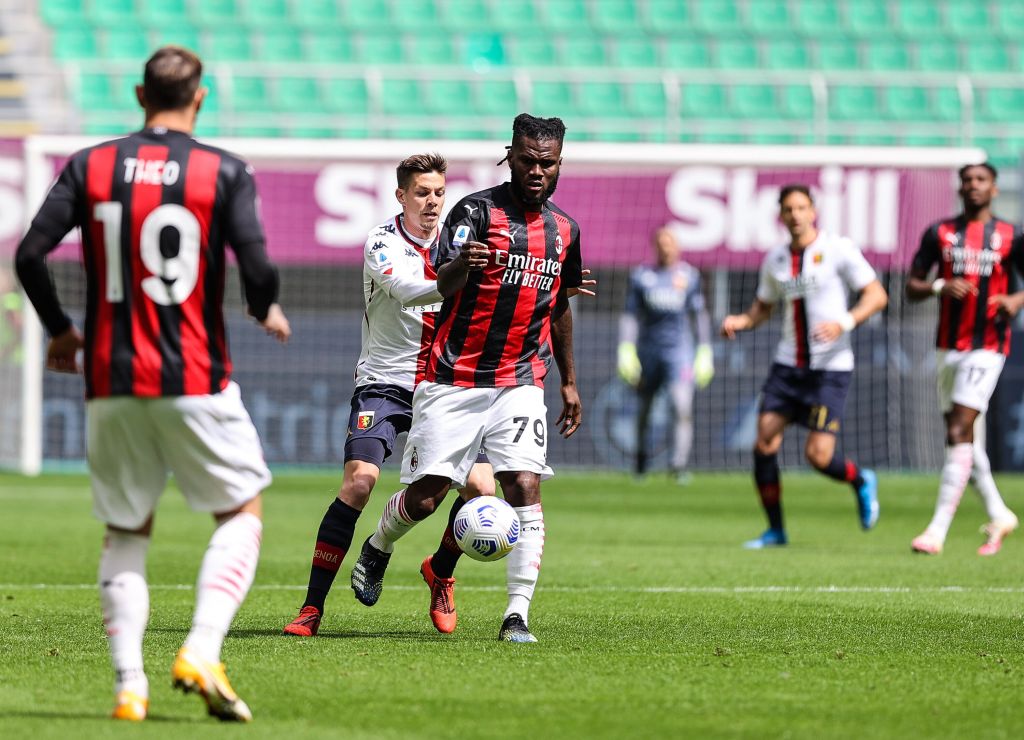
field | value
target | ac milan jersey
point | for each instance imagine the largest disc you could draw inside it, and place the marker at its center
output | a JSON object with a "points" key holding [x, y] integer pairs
{"points": [[496, 331], [813, 285], [400, 290], [979, 253], [155, 210]]}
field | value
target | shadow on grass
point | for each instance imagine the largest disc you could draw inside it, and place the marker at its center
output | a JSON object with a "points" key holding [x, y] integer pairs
{"points": [[244, 632], [98, 718]]}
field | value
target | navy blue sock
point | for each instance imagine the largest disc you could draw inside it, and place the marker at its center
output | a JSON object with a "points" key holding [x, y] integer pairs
{"points": [[766, 476], [843, 470], [448, 551], [332, 542]]}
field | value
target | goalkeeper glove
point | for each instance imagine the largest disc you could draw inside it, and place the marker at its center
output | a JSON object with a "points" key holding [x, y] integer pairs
{"points": [[629, 363], [703, 365]]}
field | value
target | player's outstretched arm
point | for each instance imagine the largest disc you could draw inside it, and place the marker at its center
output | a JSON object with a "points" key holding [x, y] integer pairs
{"points": [[757, 314], [452, 277]]}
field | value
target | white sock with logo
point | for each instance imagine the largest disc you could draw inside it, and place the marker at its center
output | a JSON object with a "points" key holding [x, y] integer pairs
{"points": [[524, 561], [393, 525], [995, 507], [955, 474], [225, 576], [124, 596]]}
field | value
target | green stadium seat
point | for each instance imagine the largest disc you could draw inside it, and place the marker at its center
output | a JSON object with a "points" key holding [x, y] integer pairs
{"points": [[512, 18], [916, 18], [107, 128], [816, 18], [321, 15], [266, 13], [615, 16], [937, 56], [987, 58], [797, 101], [284, 45], [754, 101], [718, 17], [776, 138], [179, 35], [738, 53], [111, 12], [927, 140], [903, 103], [346, 95], [1001, 104], [787, 54], [467, 132], [552, 99], [401, 96], [248, 93], [647, 99], [450, 98], [601, 99], [768, 18], [227, 45], [946, 104], [634, 52], [461, 16], [312, 131], [75, 43], [853, 102], [565, 15], [837, 55], [126, 43], [431, 49], [213, 14], [720, 137], [667, 16], [381, 48], [163, 13], [354, 128], [862, 138], [535, 51], [482, 50], [411, 130], [252, 129], [884, 56], [582, 51], [497, 98], [367, 14], [297, 94], [614, 131], [968, 19], [868, 18], [414, 17], [60, 13], [1009, 19], [94, 91], [685, 54], [703, 101], [331, 46], [212, 101], [207, 125]]}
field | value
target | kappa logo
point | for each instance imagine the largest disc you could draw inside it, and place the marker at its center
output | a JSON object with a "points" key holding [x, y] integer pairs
{"points": [[390, 228], [410, 252], [414, 460], [558, 244], [365, 419], [377, 246]]}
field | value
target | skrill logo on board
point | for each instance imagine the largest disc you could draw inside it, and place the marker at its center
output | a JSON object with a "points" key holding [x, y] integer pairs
{"points": [[716, 206]]}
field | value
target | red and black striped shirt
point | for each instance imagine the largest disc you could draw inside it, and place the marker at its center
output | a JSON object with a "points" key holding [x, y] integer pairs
{"points": [[980, 253], [155, 210], [496, 331]]}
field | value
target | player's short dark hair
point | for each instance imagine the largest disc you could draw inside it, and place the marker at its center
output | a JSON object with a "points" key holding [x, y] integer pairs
{"points": [[419, 164], [986, 165], [526, 126], [171, 78], [795, 187]]}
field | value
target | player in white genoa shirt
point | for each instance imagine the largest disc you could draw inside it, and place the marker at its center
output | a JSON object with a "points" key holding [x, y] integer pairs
{"points": [[400, 289], [813, 366]]}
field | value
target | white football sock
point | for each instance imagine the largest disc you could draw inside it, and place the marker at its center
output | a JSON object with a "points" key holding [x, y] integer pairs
{"points": [[225, 576], [124, 596], [393, 525], [986, 484], [524, 561], [955, 474]]}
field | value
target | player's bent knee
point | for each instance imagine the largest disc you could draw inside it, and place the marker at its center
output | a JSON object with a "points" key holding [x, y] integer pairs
{"points": [[253, 506], [355, 492]]}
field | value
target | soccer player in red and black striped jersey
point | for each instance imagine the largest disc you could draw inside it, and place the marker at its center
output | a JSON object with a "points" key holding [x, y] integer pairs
{"points": [[155, 210], [973, 253], [512, 257]]}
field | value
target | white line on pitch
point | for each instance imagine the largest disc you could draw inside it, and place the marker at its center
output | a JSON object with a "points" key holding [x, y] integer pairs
{"points": [[832, 589]]}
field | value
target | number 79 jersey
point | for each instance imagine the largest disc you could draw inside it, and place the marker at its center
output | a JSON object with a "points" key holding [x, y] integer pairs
{"points": [[155, 210]]}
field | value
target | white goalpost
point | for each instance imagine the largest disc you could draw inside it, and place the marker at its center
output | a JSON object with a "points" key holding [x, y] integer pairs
{"points": [[319, 198]]}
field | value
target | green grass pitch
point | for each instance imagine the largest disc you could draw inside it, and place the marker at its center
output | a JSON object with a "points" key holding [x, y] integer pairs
{"points": [[652, 621]]}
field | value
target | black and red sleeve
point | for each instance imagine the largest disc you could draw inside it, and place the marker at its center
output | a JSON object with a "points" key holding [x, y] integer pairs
{"points": [[244, 232], [927, 253]]}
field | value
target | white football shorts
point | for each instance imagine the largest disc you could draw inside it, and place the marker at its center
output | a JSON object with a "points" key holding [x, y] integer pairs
{"points": [[452, 424], [208, 442], [968, 378]]}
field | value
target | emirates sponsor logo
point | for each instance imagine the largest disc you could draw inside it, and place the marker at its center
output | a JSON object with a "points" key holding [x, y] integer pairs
{"points": [[527, 270], [972, 261]]}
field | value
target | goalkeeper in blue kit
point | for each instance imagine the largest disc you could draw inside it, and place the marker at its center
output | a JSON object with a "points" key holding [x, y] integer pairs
{"points": [[664, 311]]}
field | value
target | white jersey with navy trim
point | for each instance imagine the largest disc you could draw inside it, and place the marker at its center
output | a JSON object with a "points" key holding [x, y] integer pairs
{"points": [[400, 291], [814, 286]]}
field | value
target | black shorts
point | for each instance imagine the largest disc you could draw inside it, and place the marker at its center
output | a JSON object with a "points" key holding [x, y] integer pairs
{"points": [[379, 414], [814, 399]]}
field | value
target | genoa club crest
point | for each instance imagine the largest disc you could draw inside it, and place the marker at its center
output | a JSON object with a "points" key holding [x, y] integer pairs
{"points": [[364, 420]]}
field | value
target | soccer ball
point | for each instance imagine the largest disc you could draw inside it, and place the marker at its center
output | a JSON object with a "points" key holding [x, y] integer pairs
{"points": [[486, 528]]}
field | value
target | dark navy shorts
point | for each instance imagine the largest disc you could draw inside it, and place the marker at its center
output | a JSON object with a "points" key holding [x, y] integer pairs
{"points": [[660, 370], [812, 398], [379, 414]]}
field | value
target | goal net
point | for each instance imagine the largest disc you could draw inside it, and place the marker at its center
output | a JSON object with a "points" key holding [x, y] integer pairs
{"points": [[319, 199]]}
